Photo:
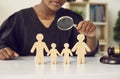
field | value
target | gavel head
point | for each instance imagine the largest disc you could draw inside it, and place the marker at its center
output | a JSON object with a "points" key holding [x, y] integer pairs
{"points": [[113, 52]]}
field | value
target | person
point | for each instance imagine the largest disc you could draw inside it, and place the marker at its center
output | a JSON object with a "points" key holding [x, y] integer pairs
{"points": [[66, 52], [53, 53], [81, 48], [39, 46], [18, 31]]}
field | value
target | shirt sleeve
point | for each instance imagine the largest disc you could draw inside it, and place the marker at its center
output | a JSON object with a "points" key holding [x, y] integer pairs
{"points": [[7, 32], [95, 51]]}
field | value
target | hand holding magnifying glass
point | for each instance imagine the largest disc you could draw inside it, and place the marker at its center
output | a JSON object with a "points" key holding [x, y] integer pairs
{"points": [[66, 23]]}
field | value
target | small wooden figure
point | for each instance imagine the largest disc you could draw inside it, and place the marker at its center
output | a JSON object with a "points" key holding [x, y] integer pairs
{"points": [[66, 51], [39, 46], [80, 47], [53, 53]]}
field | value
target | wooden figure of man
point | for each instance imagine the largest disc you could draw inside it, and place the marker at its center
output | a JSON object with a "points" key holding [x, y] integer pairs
{"points": [[39, 46], [66, 51], [81, 48], [53, 53]]}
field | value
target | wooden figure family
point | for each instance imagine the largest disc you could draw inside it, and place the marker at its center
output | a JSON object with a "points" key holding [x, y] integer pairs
{"points": [[80, 48]]}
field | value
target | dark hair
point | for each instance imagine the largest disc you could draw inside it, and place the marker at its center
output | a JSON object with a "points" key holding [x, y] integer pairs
{"points": [[71, 0]]}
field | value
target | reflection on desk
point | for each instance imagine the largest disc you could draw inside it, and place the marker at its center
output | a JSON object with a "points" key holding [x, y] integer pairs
{"points": [[25, 67]]}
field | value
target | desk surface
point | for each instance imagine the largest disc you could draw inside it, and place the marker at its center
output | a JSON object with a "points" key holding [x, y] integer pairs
{"points": [[24, 67]]}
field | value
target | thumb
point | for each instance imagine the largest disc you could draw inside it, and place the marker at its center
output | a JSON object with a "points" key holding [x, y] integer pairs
{"points": [[16, 54]]}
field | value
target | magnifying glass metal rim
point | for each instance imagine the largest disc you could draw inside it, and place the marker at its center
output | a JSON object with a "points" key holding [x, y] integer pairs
{"points": [[63, 18]]}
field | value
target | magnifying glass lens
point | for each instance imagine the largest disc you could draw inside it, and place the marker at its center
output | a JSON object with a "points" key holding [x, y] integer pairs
{"points": [[65, 23]]}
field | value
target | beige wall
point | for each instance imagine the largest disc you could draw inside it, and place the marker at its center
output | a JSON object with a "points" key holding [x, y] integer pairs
{"points": [[7, 7]]}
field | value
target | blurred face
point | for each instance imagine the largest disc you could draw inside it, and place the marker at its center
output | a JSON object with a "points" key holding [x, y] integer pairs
{"points": [[53, 4]]}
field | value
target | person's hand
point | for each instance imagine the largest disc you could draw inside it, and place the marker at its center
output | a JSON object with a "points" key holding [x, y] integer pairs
{"points": [[87, 28], [7, 53]]}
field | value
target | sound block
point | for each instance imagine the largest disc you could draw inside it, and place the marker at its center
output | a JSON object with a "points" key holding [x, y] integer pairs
{"points": [[110, 60]]}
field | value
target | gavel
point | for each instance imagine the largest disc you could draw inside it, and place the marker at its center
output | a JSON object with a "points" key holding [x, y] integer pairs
{"points": [[113, 56]]}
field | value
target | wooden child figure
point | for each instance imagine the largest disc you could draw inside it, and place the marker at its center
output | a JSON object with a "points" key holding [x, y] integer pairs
{"points": [[39, 46], [66, 51], [80, 47], [53, 53]]}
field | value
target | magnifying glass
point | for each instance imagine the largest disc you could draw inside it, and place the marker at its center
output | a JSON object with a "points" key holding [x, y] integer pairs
{"points": [[65, 23]]}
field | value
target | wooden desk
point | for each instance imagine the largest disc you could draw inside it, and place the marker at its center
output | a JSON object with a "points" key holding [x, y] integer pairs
{"points": [[24, 68]]}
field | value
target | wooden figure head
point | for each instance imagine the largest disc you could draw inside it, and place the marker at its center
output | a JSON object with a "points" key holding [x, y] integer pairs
{"points": [[66, 45], [39, 37], [53, 45], [80, 37]]}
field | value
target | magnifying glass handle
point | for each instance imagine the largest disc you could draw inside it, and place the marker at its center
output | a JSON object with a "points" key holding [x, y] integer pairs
{"points": [[75, 25]]}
